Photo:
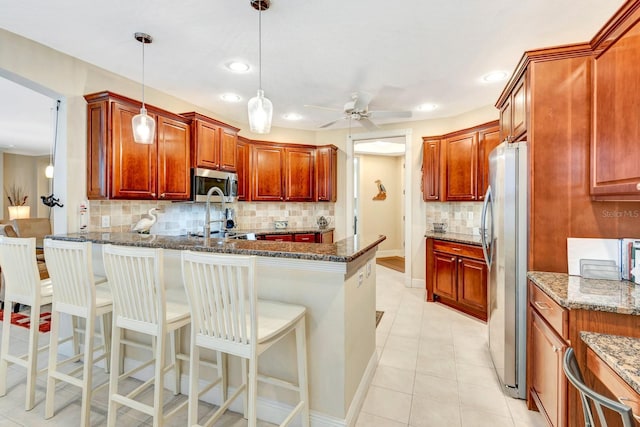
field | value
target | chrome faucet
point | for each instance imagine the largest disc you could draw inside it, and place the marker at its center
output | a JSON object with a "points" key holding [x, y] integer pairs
{"points": [[207, 217]]}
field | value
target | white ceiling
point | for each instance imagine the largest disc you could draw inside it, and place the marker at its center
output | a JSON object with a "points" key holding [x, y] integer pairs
{"points": [[403, 53]]}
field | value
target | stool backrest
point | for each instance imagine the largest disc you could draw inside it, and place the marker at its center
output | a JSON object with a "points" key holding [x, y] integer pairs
{"points": [[222, 298], [137, 285], [589, 397], [71, 272], [20, 269]]}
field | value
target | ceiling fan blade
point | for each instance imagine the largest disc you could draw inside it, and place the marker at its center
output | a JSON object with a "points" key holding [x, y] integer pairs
{"points": [[390, 114], [326, 125], [362, 100], [368, 124], [323, 108]]}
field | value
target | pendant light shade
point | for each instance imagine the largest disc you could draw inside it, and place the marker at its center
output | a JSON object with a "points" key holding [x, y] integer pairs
{"points": [[260, 109], [48, 171], [143, 125]]}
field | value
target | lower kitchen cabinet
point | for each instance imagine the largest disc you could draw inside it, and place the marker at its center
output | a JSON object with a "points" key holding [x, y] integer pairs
{"points": [[457, 276], [319, 237], [279, 237]]}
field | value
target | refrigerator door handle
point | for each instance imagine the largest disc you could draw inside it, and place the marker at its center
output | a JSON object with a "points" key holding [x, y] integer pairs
{"points": [[487, 243]]}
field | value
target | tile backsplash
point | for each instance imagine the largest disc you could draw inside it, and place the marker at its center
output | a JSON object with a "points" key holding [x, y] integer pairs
{"points": [[461, 217], [181, 218]]}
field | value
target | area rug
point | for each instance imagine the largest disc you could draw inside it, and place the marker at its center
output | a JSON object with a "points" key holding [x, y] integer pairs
{"points": [[393, 262], [23, 320], [378, 317]]}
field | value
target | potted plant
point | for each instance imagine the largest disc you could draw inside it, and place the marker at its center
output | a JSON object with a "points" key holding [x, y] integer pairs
{"points": [[17, 202]]}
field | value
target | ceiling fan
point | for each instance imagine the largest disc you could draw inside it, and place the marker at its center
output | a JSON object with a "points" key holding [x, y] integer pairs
{"points": [[358, 109]]}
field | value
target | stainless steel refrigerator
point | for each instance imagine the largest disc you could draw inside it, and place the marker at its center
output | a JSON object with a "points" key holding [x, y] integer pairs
{"points": [[504, 242]]}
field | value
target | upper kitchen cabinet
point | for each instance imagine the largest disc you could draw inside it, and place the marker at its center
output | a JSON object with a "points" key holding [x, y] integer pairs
{"points": [[431, 169], [267, 172], [119, 168], [461, 167], [213, 144], [326, 173], [615, 152], [488, 139], [299, 173], [513, 113], [242, 150]]}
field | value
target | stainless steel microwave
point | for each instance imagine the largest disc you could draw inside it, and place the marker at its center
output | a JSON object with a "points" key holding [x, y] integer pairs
{"points": [[203, 179]]}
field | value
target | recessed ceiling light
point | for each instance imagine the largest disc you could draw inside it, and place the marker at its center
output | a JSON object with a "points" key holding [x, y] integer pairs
{"points": [[427, 107], [292, 116], [238, 67], [495, 76], [231, 97]]}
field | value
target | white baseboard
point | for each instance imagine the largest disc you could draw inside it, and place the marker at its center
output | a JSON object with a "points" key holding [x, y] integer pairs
{"points": [[418, 283], [269, 410]]}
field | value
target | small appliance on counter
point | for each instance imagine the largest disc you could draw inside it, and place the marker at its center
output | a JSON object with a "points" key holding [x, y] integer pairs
{"points": [[323, 222], [439, 227], [279, 225]]}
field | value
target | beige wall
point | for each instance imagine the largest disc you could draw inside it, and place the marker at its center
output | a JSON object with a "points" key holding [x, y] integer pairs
{"points": [[26, 172], [73, 78]]}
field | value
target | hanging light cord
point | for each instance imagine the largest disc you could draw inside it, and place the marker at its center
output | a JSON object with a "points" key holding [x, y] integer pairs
{"points": [[260, 43], [143, 43], [55, 135]]}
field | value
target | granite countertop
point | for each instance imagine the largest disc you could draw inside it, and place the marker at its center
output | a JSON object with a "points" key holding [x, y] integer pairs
{"points": [[574, 292], [622, 354], [345, 250], [469, 239]]}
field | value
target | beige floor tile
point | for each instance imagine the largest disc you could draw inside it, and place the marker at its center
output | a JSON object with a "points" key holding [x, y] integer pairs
{"points": [[388, 404], [398, 359], [475, 418], [429, 413], [395, 379], [435, 388], [523, 417], [483, 398], [479, 375], [370, 420], [439, 367], [396, 342], [476, 357]]}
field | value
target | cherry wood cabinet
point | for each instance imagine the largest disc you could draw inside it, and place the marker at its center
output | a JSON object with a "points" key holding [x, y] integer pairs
{"points": [[279, 237], [299, 174], [461, 167], [615, 152], [317, 237], [324, 237], [267, 172], [326, 173], [213, 143], [513, 113], [305, 237], [457, 276], [431, 169], [488, 139], [242, 149], [119, 168]]}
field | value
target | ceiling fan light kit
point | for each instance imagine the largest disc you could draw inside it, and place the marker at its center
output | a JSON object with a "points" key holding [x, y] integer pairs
{"points": [[260, 108], [144, 127]]}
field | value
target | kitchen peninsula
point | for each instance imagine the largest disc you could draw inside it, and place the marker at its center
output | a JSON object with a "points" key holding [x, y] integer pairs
{"points": [[336, 282]]}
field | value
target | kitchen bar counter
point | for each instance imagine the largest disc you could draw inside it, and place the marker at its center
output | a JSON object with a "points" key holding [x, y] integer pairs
{"points": [[574, 292], [620, 353], [346, 250], [469, 239], [298, 230]]}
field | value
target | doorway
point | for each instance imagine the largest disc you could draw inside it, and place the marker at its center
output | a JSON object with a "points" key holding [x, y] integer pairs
{"points": [[372, 170]]}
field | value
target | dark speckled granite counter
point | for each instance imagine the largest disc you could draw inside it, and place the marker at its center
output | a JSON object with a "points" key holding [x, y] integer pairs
{"points": [[574, 292], [622, 354], [469, 239], [345, 250]]}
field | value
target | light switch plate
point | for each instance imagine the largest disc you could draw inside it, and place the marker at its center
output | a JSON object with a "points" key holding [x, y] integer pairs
{"points": [[106, 221]]}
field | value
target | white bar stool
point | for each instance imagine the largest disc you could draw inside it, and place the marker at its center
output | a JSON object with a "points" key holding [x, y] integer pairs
{"points": [[139, 304], [23, 285], [228, 317], [75, 293]]}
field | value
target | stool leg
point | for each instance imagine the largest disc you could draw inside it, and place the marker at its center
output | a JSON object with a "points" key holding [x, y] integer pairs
{"points": [[222, 373], [253, 391], [4, 351], [76, 339], [301, 350], [105, 330], [158, 389], [87, 371], [32, 358], [245, 401], [175, 342], [194, 375], [116, 336], [53, 362]]}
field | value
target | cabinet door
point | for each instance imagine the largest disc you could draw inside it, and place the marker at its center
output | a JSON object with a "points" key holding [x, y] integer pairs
{"points": [[431, 170], [279, 237], [548, 382], [615, 152], [444, 276], [326, 237], [207, 145], [472, 285], [326, 174], [519, 110], [506, 121], [462, 163], [133, 173], [305, 237], [299, 174], [267, 165], [488, 139], [243, 170], [228, 153], [173, 160], [98, 176]]}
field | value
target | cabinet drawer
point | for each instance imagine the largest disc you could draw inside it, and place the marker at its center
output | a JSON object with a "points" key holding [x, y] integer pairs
{"points": [[556, 316], [279, 237], [308, 237], [458, 249]]}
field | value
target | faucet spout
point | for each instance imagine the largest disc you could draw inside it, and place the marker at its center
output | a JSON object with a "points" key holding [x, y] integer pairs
{"points": [[207, 215]]}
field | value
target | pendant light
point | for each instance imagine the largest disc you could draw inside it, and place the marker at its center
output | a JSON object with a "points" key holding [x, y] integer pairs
{"points": [[48, 171], [260, 108], [144, 127]]}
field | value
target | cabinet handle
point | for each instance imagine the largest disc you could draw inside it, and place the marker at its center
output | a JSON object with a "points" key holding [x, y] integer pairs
{"points": [[456, 249], [555, 349], [153, 194], [163, 195], [453, 258], [638, 186], [460, 260], [542, 305]]}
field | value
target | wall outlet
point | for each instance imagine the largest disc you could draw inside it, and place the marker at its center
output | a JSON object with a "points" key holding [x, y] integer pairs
{"points": [[368, 269], [469, 215], [106, 221], [360, 278]]}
